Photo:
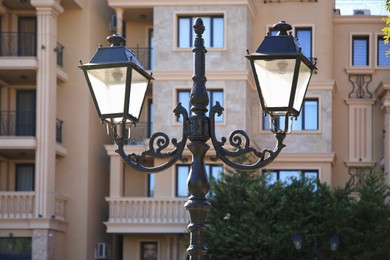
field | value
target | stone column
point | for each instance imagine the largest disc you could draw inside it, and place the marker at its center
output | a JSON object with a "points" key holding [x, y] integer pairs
{"points": [[119, 20], [42, 244], [46, 85]]}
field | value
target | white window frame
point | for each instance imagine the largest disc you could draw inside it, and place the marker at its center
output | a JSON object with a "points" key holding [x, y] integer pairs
{"points": [[365, 34], [175, 29]]}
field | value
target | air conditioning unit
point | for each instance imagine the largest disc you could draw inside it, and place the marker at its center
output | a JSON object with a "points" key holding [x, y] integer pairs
{"points": [[112, 23], [102, 251], [361, 12]]}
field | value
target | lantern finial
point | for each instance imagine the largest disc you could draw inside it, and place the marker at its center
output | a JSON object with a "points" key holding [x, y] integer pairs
{"points": [[282, 27], [116, 40]]}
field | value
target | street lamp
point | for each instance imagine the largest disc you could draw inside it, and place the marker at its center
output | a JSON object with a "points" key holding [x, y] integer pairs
{"points": [[110, 78]]}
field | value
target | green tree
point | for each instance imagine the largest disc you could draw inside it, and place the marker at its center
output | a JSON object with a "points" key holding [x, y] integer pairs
{"points": [[386, 29], [252, 219]]}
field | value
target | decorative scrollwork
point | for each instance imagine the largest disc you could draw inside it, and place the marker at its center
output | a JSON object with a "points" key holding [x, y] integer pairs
{"points": [[360, 86], [240, 142], [158, 142]]}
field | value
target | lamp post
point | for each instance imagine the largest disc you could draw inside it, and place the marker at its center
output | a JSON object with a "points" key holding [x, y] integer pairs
{"points": [[118, 85]]}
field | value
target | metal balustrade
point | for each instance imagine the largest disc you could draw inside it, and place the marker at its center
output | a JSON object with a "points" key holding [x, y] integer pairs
{"points": [[22, 123], [24, 44], [18, 44], [144, 56]]}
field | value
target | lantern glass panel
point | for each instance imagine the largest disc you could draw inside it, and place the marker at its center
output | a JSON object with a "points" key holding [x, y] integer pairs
{"points": [[302, 84], [139, 86], [275, 79], [109, 89]]}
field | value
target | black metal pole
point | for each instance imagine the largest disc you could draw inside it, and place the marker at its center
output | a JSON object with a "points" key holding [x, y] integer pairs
{"points": [[199, 132]]}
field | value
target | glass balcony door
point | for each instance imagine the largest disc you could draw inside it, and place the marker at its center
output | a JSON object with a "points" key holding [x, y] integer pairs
{"points": [[25, 112], [27, 36]]}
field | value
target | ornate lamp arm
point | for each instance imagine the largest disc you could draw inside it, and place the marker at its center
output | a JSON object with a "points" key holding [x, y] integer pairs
{"points": [[157, 143], [239, 140]]}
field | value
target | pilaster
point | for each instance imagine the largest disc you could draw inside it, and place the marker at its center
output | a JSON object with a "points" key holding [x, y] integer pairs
{"points": [[46, 85]]}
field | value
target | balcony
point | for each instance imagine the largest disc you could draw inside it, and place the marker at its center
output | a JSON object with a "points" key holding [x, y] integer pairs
{"points": [[18, 44], [139, 133], [18, 53], [147, 215], [145, 56], [22, 123], [21, 205]]}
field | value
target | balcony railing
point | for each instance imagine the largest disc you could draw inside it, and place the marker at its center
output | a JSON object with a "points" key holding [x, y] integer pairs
{"points": [[17, 205], [59, 124], [18, 44], [148, 211], [145, 56], [20, 205], [60, 55], [139, 133], [25, 44], [22, 123]]}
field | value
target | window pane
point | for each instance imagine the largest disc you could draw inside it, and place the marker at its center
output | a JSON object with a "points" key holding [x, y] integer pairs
{"points": [[311, 114], [183, 97], [24, 177], [304, 38], [149, 250], [216, 171], [184, 32], [297, 122], [266, 122], [218, 33], [213, 35], [286, 176], [383, 60], [181, 185], [272, 177], [207, 32], [214, 97], [360, 51], [151, 182], [311, 175]]}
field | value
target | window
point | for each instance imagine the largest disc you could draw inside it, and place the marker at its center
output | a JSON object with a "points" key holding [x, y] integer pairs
{"points": [[360, 49], [151, 183], [304, 37], [150, 118], [213, 171], [306, 121], [382, 59], [183, 96], [149, 250], [213, 35], [286, 176], [25, 177], [15, 248]]}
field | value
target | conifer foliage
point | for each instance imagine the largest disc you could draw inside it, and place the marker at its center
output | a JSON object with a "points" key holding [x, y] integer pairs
{"points": [[251, 218]]}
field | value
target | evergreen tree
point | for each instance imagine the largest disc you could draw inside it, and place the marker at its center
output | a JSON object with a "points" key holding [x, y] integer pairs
{"points": [[251, 218]]}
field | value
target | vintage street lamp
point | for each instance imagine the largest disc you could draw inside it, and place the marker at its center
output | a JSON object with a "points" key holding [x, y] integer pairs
{"points": [[118, 84], [282, 74]]}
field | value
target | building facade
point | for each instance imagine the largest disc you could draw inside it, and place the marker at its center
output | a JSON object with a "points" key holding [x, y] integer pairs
{"points": [[53, 167], [69, 196]]}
